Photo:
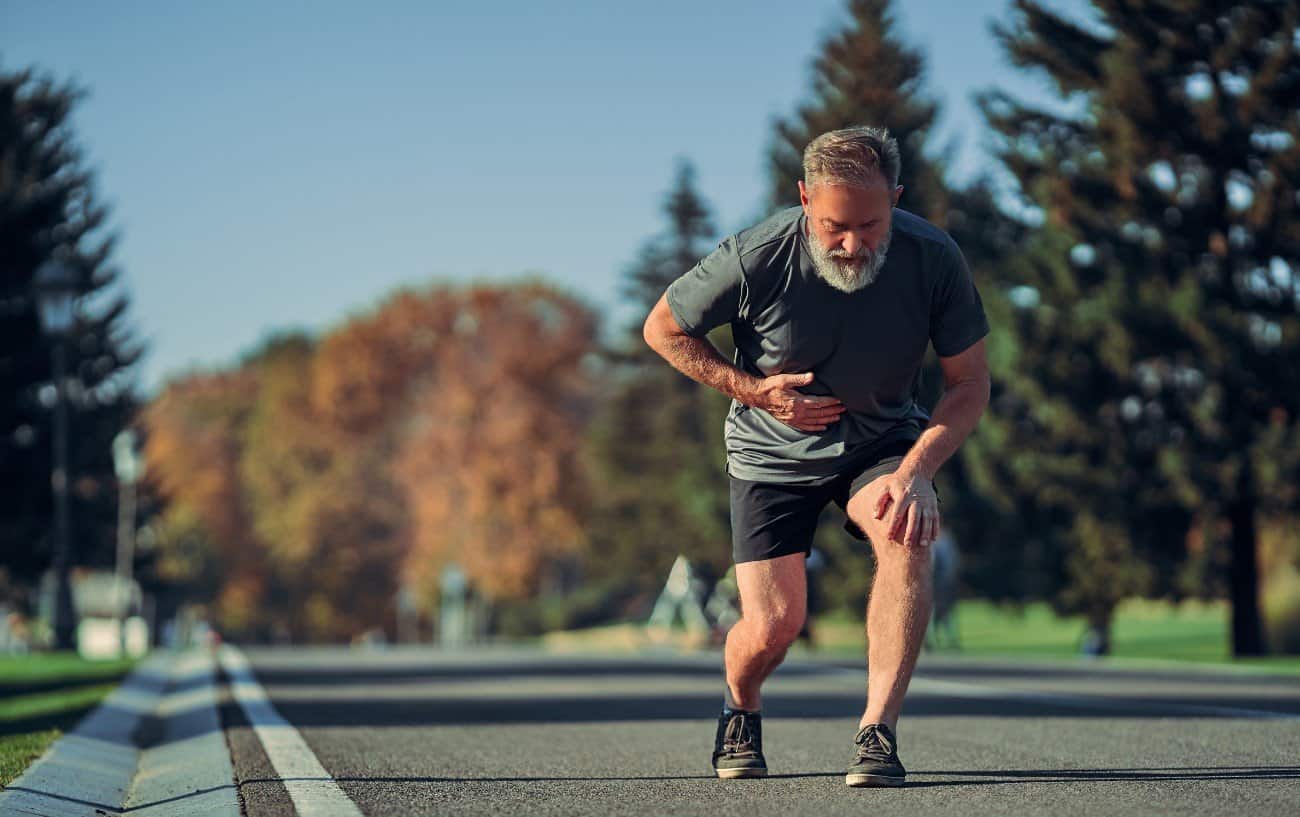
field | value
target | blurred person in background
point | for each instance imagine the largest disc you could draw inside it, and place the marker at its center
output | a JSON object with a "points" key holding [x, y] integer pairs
{"points": [[832, 305]]}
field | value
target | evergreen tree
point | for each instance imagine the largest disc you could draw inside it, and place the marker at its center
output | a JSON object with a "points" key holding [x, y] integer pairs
{"points": [[48, 210], [1160, 334], [865, 75], [666, 257], [998, 560], [657, 448]]}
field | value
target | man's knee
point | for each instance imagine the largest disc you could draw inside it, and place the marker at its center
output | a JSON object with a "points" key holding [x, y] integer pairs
{"points": [[862, 512], [773, 599], [777, 631]]}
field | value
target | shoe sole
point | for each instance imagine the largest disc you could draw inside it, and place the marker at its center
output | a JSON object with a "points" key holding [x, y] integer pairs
{"points": [[730, 774], [864, 780]]}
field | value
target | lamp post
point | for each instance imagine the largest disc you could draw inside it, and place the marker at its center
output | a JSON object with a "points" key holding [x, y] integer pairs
{"points": [[56, 285], [129, 467]]}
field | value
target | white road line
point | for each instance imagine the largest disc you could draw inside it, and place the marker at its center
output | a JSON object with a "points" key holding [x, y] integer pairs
{"points": [[313, 791], [963, 689]]}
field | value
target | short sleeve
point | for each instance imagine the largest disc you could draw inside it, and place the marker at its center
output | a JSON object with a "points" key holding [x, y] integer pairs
{"points": [[709, 294], [957, 317]]}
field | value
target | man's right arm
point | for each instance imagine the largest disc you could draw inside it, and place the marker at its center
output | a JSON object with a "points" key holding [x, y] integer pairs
{"points": [[699, 360]]}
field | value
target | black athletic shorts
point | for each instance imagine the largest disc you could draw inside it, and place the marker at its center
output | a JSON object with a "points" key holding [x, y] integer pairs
{"points": [[771, 519]]}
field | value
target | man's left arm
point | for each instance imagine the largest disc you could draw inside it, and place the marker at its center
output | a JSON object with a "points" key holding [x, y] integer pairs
{"points": [[915, 512]]}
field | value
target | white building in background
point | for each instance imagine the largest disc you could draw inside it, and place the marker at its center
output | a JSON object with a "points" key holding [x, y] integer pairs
{"points": [[101, 600]]}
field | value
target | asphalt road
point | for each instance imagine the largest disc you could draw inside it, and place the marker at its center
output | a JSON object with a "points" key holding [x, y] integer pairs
{"points": [[507, 731]]}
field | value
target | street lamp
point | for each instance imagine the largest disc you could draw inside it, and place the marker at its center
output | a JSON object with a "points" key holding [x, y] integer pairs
{"points": [[57, 286], [129, 467]]}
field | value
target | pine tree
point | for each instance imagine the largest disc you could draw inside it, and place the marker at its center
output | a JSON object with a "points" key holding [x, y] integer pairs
{"points": [[664, 258], [48, 209], [865, 75], [1160, 334]]}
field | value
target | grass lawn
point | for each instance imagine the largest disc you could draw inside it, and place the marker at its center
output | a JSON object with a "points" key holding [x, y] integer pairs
{"points": [[44, 695], [1143, 631]]}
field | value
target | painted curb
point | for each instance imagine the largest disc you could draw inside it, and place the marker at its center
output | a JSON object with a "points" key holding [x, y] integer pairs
{"points": [[185, 768], [168, 705]]}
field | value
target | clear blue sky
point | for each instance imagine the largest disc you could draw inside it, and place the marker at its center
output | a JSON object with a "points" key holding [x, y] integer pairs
{"points": [[283, 165]]}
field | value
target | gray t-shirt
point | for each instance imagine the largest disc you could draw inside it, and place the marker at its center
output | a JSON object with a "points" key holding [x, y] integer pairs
{"points": [[865, 348]]}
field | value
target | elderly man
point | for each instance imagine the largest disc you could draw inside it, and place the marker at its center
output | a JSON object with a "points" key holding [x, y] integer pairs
{"points": [[832, 305]]}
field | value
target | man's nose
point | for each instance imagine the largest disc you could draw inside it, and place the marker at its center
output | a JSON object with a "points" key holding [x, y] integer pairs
{"points": [[851, 243]]}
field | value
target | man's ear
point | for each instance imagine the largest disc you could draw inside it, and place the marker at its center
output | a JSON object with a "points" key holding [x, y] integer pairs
{"points": [[803, 193], [898, 192]]}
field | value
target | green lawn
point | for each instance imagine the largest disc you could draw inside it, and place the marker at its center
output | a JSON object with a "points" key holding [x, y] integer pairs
{"points": [[44, 695], [1143, 630]]}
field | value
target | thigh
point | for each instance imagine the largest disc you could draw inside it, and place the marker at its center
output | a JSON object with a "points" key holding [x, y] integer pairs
{"points": [[774, 590], [770, 520]]}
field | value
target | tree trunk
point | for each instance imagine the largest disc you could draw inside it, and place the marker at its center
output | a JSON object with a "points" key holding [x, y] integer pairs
{"points": [[1247, 633], [1096, 640]]}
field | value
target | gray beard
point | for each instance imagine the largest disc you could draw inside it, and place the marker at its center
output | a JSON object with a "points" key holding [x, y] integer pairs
{"points": [[848, 273]]}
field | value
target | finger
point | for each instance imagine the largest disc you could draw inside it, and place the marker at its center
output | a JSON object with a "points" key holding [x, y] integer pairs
{"points": [[915, 518], [824, 412], [899, 519], [815, 419], [792, 380], [820, 400], [891, 516], [882, 504], [930, 530], [820, 420], [818, 411]]}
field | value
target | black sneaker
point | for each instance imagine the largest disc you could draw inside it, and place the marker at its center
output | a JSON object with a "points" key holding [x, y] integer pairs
{"points": [[738, 747], [876, 760]]}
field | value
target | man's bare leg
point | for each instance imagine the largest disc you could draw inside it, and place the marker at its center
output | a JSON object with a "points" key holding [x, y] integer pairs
{"points": [[773, 599], [898, 612], [897, 615]]}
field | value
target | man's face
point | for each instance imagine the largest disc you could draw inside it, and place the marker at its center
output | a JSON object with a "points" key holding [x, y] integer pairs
{"points": [[849, 230]]}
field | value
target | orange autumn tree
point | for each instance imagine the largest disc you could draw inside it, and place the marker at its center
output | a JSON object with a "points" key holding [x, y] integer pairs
{"points": [[205, 539], [367, 370], [318, 496], [440, 427], [490, 460]]}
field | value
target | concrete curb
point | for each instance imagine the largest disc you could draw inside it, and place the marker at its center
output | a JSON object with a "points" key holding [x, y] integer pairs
{"points": [[185, 768], [154, 746]]}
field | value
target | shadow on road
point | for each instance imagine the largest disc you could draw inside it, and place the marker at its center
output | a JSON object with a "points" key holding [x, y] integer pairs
{"points": [[306, 712], [1003, 776], [992, 778]]}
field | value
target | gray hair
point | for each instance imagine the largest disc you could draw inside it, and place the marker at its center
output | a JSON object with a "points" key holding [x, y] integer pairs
{"points": [[856, 157]]}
